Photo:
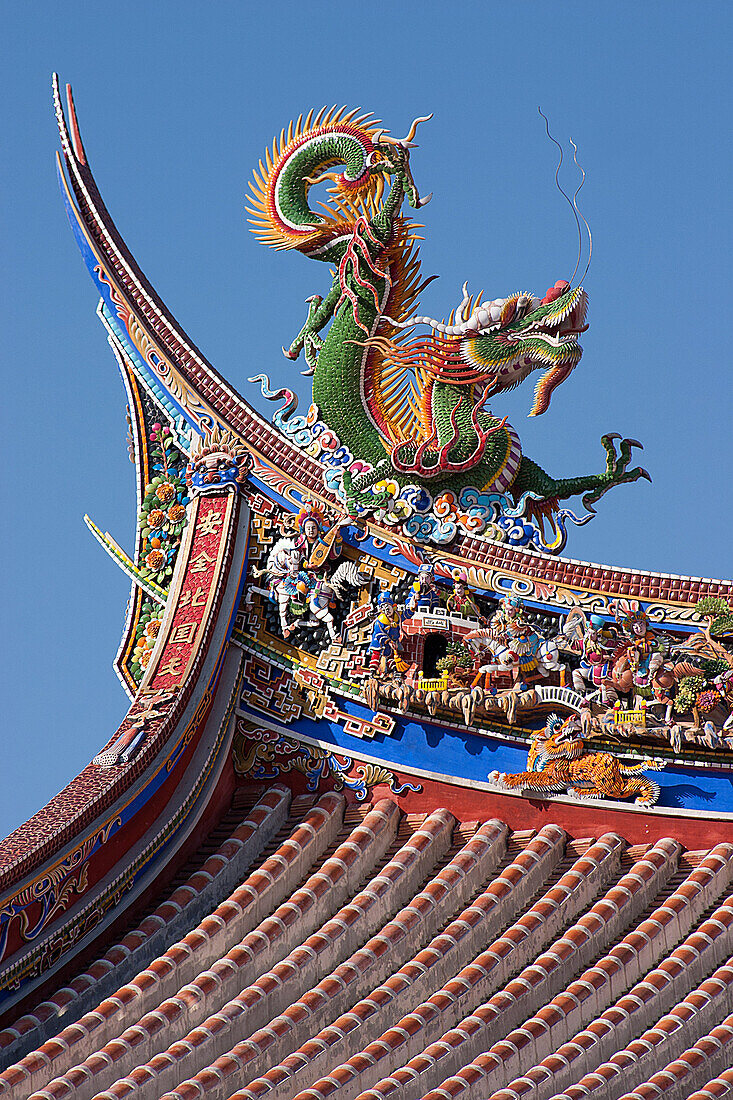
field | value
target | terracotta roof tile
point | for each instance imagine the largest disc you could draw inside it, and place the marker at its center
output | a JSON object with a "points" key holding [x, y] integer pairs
{"points": [[462, 969]]}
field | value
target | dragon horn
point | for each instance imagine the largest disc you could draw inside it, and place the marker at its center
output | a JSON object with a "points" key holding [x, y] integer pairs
{"points": [[469, 325], [462, 313], [406, 142], [409, 139]]}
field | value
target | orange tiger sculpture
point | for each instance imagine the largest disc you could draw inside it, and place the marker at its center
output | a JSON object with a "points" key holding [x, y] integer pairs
{"points": [[557, 761]]}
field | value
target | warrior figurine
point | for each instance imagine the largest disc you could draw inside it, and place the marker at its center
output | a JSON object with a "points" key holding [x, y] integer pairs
{"points": [[385, 646], [644, 650], [284, 572], [599, 643], [315, 539], [524, 644], [424, 594]]}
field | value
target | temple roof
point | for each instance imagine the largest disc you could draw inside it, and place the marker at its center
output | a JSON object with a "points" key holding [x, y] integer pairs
{"points": [[324, 950], [174, 925]]}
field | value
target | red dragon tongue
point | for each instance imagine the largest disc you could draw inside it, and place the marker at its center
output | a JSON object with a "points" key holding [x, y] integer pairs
{"points": [[547, 383]]}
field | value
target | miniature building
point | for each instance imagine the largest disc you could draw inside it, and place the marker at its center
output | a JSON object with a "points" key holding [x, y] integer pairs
{"points": [[298, 869]]}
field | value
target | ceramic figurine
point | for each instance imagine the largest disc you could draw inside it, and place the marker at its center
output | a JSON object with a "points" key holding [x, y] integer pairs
{"points": [[642, 651], [559, 761], [592, 674], [425, 594], [385, 647], [318, 542], [461, 602]]}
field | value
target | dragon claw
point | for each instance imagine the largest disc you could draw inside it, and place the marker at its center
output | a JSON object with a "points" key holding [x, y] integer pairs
{"points": [[617, 471], [357, 489], [308, 339]]}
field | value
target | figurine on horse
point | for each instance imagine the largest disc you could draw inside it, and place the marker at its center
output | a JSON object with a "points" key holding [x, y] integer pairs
{"points": [[516, 648]]}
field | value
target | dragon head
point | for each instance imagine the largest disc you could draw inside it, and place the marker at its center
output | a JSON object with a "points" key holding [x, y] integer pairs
{"points": [[511, 337], [499, 343]]}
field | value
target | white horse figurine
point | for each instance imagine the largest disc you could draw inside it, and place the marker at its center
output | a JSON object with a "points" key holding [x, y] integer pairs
{"points": [[283, 565], [323, 592], [544, 650]]}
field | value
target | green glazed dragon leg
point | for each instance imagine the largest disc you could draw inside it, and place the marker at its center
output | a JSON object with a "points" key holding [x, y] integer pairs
{"points": [[357, 490], [532, 477], [320, 312]]}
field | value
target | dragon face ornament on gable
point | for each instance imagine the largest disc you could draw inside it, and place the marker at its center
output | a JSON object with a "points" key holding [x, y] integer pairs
{"points": [[219, 464]]}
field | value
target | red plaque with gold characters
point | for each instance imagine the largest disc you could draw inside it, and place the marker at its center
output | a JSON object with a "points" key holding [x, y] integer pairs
{"points": [[183, 629]]}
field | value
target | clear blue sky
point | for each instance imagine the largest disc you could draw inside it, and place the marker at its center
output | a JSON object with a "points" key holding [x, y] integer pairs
{"points": [[176, 101]]}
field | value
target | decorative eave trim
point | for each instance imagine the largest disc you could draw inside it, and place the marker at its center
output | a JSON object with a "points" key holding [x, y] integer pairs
{"points": [[183, 669]]}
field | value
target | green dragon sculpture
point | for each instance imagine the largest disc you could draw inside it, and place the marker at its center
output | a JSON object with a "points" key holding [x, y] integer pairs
{"points": [[412, 409]]}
